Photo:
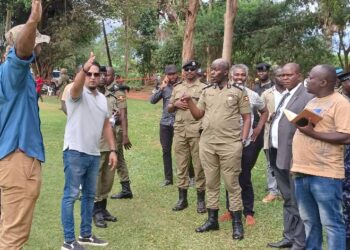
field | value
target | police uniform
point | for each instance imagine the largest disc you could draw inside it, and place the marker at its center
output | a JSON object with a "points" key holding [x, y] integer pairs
{"points": [[259, 86], [220, 144], [105, 177], [186, 138], [122, 169]]}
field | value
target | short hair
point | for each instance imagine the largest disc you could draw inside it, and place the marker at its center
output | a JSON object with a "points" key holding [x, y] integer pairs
{"points": [[239, 66], [95, 63]]}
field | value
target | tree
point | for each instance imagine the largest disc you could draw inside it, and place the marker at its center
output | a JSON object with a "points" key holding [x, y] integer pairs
{"points": [[230, 15], [191, 14]]}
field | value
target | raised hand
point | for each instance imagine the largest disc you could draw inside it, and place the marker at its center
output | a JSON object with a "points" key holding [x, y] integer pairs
{"points": [[35, 15], [89, 62]]}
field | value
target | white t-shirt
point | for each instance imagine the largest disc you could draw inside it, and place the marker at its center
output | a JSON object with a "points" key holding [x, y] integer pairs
{"points": [[85, 119]]}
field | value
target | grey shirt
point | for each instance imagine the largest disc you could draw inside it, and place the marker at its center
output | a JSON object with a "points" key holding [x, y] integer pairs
{"points": [[167, 118]]}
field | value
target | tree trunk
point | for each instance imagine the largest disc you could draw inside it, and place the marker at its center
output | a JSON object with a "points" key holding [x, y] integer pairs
{"points": [[8, 19], [187, 45], [230, 15], [126, 52]]}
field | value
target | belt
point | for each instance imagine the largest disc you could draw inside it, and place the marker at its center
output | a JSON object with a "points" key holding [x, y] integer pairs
{"points": [[300, 175]]}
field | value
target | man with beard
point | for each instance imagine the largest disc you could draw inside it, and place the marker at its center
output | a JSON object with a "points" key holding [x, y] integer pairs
{"points": [[166, 127], [87, 119], [222, 105]]}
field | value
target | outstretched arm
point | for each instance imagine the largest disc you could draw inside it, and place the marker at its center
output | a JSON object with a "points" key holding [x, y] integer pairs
{"points": [[26, 39]]}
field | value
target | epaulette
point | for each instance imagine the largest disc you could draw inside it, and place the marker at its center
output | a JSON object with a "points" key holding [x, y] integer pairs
{"points": [[208, 86], [177, 83]]}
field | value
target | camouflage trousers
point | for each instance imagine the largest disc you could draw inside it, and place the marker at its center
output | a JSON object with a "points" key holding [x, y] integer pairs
{"points": [[346, 191]]}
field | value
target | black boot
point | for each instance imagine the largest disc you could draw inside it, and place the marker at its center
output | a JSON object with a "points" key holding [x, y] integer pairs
{"points": [[106, 215], [98, 215], [237, 225], [182, 202], [347, 243], [125, 193], [212, 222], [201, 209]]}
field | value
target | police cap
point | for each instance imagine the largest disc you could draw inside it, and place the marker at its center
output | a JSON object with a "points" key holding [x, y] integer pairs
{"points": [[191, 63], [344, 76], [170, 69], [263, 67]]}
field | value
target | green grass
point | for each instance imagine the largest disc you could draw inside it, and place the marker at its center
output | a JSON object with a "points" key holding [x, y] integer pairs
{"points": [[147, 221]]}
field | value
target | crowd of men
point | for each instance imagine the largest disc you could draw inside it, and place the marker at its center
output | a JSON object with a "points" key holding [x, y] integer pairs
{"points": [[218, 128]]}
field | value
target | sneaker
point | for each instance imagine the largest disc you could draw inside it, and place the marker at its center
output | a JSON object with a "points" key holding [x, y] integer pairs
{"points": [[92, 241], [250, 220], [72, 246], [225, 217], [270, 197]]}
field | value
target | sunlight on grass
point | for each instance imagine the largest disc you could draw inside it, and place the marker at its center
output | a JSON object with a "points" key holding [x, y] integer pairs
{"points": [[145, 222]]}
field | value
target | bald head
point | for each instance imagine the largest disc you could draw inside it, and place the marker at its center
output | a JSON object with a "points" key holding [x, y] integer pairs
{"points": [[291, 76], [327, 73], [219, 71]]}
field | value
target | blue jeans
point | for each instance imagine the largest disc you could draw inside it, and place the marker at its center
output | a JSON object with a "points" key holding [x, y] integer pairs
{"points": [[79, 169], [320, 204]]}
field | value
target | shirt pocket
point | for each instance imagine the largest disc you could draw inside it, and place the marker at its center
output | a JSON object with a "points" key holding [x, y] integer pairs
{"points": [[231, 101]]}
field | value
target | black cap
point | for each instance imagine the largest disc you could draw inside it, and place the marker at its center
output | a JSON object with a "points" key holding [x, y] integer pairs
{"points": [[170, 69], [344, 76], [263, 66], [191, 63]]}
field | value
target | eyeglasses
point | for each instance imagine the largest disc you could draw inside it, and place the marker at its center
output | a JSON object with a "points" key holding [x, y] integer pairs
{"points": [[190, 69], [90, 74]]}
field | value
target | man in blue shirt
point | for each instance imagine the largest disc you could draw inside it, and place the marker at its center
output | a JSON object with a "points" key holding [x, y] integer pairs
{"points": [[21, 143]]}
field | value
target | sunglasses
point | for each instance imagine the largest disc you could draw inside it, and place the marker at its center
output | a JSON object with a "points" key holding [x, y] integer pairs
{"points": [[190, 69], [90, 74]]}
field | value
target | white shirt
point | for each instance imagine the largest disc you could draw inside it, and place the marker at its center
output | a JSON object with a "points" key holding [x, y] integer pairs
{"points": [[274, 125], [85, 120]]}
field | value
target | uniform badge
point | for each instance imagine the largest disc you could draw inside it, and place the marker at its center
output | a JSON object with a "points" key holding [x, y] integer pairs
{"points": [[246, 98]]}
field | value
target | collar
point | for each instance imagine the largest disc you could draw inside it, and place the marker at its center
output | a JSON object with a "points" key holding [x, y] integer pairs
{"points": [[291, 92]]}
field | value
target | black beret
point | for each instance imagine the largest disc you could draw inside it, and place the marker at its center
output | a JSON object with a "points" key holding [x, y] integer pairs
{"points": [[191, 63], [344, 76], [263, 66], [170, 69]]}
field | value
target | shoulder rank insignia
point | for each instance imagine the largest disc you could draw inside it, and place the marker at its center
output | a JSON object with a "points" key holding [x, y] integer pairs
{"points": [[177, 83], [237, 86], [208, 86]]}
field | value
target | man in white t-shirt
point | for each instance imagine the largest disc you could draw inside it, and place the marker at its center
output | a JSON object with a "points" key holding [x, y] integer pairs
{"points": [[87, 119]]}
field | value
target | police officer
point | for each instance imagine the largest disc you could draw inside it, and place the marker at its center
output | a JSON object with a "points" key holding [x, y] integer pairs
{"points": [[263, 82], [122, 138], [105, 177], [222, 105], [186, 137]]}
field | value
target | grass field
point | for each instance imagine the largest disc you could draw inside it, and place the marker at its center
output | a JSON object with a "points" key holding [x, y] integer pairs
{"points": [[146, 221]]}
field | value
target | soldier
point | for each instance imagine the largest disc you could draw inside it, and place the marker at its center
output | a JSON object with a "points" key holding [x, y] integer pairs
{"points": [[264, 82], [222, 105], [105, 177], [186, 137], [121, 128]]}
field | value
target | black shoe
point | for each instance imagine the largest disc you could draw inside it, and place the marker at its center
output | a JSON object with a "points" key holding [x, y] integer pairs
{"points": [[166, 183], [212, 222], [284, 243], [347, 244], [99, 221], [125, 193], [201, 208], [237, 225], [108, 217], [182, 202]]}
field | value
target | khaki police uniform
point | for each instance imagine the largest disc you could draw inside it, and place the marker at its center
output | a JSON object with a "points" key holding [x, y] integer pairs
{"points": [[105, 176], [220, 146], [122, 169], [186, 136]]}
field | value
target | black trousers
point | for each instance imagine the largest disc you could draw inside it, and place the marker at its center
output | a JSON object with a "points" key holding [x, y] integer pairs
{"points": [[250, 155], [293, 225], [166, 134]]}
